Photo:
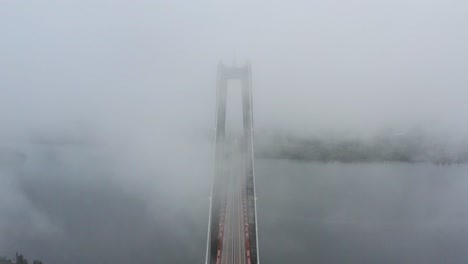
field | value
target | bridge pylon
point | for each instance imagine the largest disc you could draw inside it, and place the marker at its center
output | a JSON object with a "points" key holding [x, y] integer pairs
{"points": [[233, 216]]}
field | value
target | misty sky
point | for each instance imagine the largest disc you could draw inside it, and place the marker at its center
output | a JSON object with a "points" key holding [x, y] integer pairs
{"points": [[341, 65]]}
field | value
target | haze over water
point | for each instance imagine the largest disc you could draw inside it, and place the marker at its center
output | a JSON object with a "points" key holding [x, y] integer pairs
{"points": [[107, 113]]}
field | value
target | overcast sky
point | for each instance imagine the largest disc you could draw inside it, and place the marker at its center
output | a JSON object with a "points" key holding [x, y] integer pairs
{"points": [[317, 65]]}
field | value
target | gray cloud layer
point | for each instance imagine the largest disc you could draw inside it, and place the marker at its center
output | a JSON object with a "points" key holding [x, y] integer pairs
{"points": [[317, 65]]}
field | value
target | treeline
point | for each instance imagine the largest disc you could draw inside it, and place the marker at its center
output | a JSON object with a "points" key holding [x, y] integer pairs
{"points": [[411, 147], [19, 259]]}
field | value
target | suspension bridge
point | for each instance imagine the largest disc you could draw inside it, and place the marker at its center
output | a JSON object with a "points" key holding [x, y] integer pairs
{"points": [[232, 224]]}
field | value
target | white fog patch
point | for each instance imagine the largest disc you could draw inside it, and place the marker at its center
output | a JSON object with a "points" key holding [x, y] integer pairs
{"points": [[19, 215]]}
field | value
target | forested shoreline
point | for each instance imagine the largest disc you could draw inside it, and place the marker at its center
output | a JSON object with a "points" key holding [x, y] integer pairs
{"points": [[18, 259]]}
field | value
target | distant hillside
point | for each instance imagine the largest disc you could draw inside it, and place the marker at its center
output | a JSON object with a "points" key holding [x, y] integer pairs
{"points": [[410, 147]]}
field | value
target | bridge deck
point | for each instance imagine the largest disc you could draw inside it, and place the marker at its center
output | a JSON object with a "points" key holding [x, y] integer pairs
{"points": [[233, 240]]}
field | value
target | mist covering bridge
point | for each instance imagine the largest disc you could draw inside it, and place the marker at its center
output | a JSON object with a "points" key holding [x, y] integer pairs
{"points": [[232, 226]]}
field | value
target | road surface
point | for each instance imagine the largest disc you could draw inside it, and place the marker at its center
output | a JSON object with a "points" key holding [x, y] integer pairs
{"points": [[233, 246]]}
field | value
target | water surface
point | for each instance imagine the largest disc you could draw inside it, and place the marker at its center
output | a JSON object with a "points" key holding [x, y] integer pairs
{"points": [[362, 213]]}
